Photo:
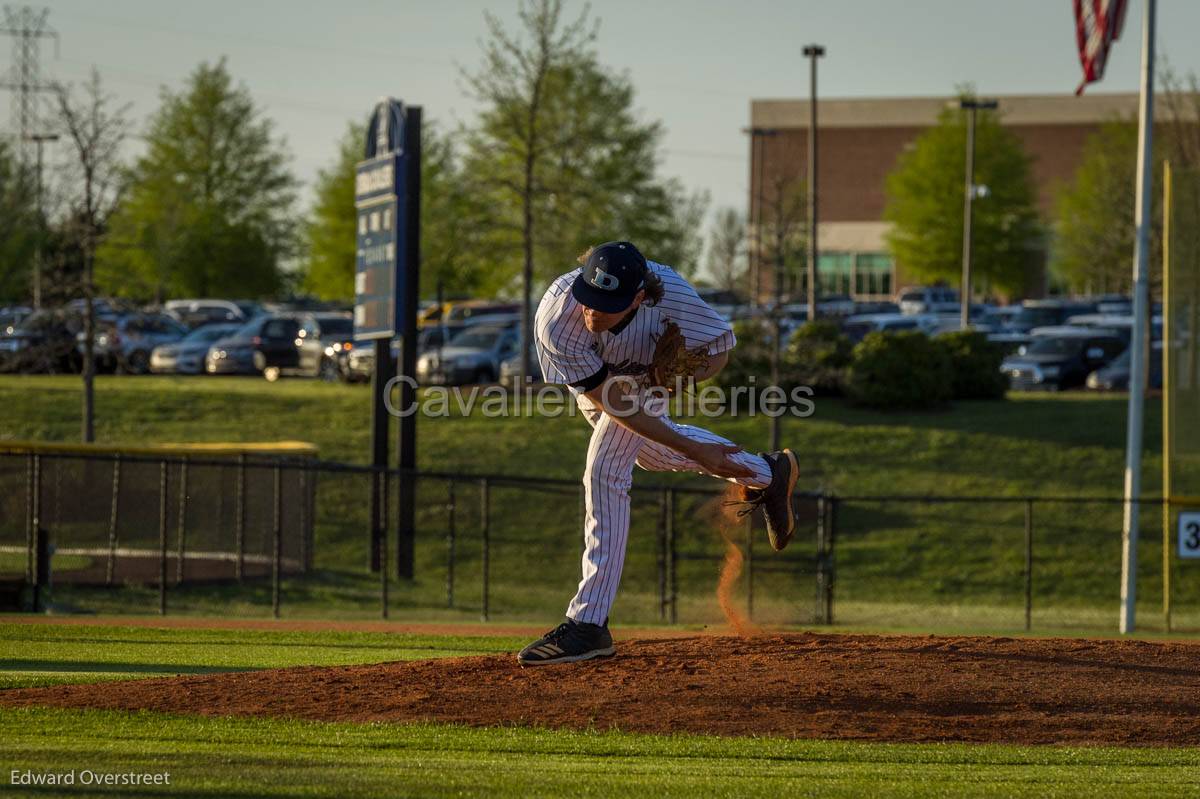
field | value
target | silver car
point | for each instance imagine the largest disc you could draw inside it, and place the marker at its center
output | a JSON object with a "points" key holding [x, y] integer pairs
{"points": [[472, 356], [186, 356]]}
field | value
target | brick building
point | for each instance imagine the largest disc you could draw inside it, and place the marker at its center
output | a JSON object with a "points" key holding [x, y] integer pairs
{"points": [[860, 140]]}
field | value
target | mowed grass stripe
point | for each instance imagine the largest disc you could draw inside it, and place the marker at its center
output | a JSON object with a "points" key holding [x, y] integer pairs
{"points": [[289, 758], [53, 654]]}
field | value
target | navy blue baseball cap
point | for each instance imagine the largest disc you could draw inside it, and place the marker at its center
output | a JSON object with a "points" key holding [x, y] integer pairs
{"points": [[613, 275]]}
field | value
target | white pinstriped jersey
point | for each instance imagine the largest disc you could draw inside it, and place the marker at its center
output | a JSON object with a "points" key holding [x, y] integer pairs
{"points": [[571, 354]]}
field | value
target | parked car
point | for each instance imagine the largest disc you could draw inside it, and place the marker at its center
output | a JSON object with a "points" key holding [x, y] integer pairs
{"points": [[124, 344], [197, 313], [1047, 313], [335, 334], [186, 356], [1115, 376], [265, 340], [856, 328], [1060, 358], [510, 367], [44, 341], [928, 299], [1122, 324], [724, 302], [12, 316], [473, 356], [470, 311], [997, 319]]}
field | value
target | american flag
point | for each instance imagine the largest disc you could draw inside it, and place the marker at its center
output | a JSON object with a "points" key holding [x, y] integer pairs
{"points": [[1097, 25]]}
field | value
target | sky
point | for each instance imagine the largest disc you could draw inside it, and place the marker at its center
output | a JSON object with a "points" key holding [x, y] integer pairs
{"points": [[695, 66]]}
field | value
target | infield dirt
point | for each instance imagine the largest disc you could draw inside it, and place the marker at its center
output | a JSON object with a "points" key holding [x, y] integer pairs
{"points": [[858, 687]]}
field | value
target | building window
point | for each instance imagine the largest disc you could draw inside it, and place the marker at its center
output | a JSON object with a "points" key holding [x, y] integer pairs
{"points": [[873, 275]]}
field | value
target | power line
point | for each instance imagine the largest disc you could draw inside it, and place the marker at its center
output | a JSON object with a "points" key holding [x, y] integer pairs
{"points": [[28, 28]]}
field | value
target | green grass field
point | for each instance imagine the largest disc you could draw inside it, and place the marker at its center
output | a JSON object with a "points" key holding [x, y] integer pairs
{"points": [[942, 566], [281, 758]]}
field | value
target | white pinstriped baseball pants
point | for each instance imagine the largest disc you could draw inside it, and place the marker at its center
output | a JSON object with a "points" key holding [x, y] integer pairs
{"points": [[612, 453]]}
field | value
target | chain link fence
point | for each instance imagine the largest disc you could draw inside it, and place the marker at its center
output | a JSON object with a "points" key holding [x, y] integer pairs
{"points": [[246, 535]]}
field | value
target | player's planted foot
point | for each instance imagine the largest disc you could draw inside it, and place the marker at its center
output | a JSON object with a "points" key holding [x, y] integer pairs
{"points": [[568, 642], [776, 499]]}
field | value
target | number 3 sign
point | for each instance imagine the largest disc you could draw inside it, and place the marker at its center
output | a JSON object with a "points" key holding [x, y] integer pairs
{"points": [[1189, 534]]}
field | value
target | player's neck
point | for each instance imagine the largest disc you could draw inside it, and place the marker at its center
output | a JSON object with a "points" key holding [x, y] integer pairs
{"points": [[624, 323]]}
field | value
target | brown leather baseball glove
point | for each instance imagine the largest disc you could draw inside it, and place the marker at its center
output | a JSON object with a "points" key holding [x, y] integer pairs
{"points": [[673, 362]]}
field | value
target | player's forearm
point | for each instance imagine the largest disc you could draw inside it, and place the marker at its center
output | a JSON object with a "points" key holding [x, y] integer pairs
{"points": [[628, 411]]}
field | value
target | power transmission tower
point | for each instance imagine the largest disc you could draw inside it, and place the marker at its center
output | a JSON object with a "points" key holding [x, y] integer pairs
{"points": [[27, 27]]}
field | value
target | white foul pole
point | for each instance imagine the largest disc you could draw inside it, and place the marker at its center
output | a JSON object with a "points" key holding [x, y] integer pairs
{"points": [[1137, 346]]}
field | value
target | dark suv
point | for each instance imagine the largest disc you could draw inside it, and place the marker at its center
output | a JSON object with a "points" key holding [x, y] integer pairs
{"points": [[274, 345], [1061, 357]]}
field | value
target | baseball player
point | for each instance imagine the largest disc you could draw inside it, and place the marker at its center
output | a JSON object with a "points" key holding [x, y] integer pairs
{"points": [[600, 330]]}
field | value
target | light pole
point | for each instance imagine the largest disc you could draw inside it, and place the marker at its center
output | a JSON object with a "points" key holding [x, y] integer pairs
{"points": [[971, 105], [813, 51], [39, 139]]}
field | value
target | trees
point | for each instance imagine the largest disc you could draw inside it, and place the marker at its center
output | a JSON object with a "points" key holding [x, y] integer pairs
{"points": [[449, 253], [727, 251], [95, 130], [925, 205], [209, 209], [18, 221], [1094, 225], [559, 160]]}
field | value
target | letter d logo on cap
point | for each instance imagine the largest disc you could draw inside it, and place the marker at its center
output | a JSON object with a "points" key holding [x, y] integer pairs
{"points": [[603, 280]]}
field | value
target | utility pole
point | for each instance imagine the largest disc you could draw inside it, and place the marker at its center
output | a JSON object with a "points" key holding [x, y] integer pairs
{"points": [[28, 28], [970, 105], [39, 139], [813, 51]]}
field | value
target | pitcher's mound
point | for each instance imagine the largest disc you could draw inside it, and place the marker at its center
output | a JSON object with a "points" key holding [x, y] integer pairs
{"points": [[865, 687]]}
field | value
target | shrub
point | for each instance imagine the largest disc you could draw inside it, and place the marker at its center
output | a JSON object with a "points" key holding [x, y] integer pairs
{"points": [[900, 370], [817, 356], [751, 357], [976, 364]]}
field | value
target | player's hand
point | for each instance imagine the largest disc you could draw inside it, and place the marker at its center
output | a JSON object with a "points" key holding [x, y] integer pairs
{"points": [[717, 459]]}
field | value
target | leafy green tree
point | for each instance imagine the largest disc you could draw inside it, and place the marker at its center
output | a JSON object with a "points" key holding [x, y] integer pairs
{"points": [[925, 205], [1094, 224], [448, 232], [209, 207], [18, 223], [560, 161]]}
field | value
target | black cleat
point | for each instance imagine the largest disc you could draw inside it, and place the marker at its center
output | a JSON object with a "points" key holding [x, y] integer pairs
{"points": [[568, 642], [776, 499]]}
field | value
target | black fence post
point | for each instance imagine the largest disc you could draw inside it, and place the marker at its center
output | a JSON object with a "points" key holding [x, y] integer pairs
{"points": [[277, 535], [162, 537], [239, 566], [662, 554], [383, 545], [303, 476], [310, 531], [830, 560], [183, 488], [750, 567], [1028, 564], [41, 570], [672, 558], [113, 519], [484, 501], [451, 509], [33, 494], [819, 613]]}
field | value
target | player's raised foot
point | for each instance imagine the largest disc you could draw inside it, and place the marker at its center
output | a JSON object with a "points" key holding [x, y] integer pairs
{"points": [[568, 642], [776, 499]]}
